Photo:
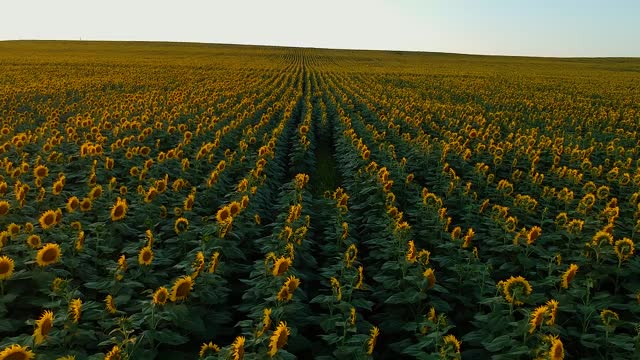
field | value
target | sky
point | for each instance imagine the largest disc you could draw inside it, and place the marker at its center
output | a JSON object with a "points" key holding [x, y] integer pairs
{"points": [[562, 28]]}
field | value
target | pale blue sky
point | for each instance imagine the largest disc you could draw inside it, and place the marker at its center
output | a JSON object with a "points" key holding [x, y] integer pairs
{"points": [[511, 27]]}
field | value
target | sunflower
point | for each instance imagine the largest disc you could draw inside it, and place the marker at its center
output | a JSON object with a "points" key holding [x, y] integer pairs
{"points": [[237, 348], [288, 288], [352, 316], [455, 233], [181, 225], [557, 349], [335, 287], [95, 192], [86, 204], [145, 256], [188, 202], [119, 209], [234, 208], [181, 288], [210, 347], [608, 318], [624, 249], [430, 276], [80, 241], [533, 234], [48, 219], [114, 354], [537, 317], [150, 195], [281, 266], [160, 296], [279, 338], [450, 349], [411, 252], [197, 265], [4, 207], [72, 204], [16, 352], [34, 241], [6, 267], [360, 278], [4, 238], [373, 337], [568, 275], [223, 214], [43, 327], [468, 237], [75, 309], [515, 288], [553, 311], [68, 357], [49, 254], [266, 322], [110, 304], [40, 172], [213, 263]]}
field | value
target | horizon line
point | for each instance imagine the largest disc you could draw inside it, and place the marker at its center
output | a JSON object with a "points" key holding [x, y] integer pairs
{"points": [[323, 48]]}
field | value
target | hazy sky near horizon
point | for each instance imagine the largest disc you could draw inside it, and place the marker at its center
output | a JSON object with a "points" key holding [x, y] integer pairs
{"points": [[506, 27]]}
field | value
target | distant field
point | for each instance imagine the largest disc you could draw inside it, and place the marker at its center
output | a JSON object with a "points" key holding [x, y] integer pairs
{"points": [[174, 201]]}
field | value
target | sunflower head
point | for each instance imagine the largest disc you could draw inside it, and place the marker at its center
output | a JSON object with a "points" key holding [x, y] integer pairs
{"points": [[181, 288], [181, 225], [373, 338], [281, 266], [48, 219], [160, 296], [237, 348], [207, 348], [515, 289], [450, 348], [119, 209], [48, 254], [279, 338], [17, 352], [43, 326], [145, 256], [7, 266], [624, 249]]}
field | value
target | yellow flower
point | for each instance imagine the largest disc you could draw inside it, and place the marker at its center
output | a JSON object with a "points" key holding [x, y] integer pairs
{"points": [[279, 338], [450, 349], [237, 348], [533, 234], [266, 322], [43, 327], [119, 209], [210, 347], [288, 288], [360, 278], [40, 172], [110, 304], [553, 311], [569, 275], [213, 263], [608, 318], [411, 252], [86, 204], [75, 309], [350, 255], [455, 233], [557, 349], [114, 354], [335, 286], [160, 296], [181, 288], [373, 338], [181, 225], [145, 256], [515, 288], [624, 249], [468, 237], [49, 254], [537, 317], [16, 352], [352, 316], [6, 267], [4, 207], [431, 277], [47, 219], [223, 214], [34, 241], [281, 266]]}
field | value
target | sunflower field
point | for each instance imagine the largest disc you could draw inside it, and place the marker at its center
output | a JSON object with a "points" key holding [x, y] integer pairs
{"points": [[193, 201]]}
